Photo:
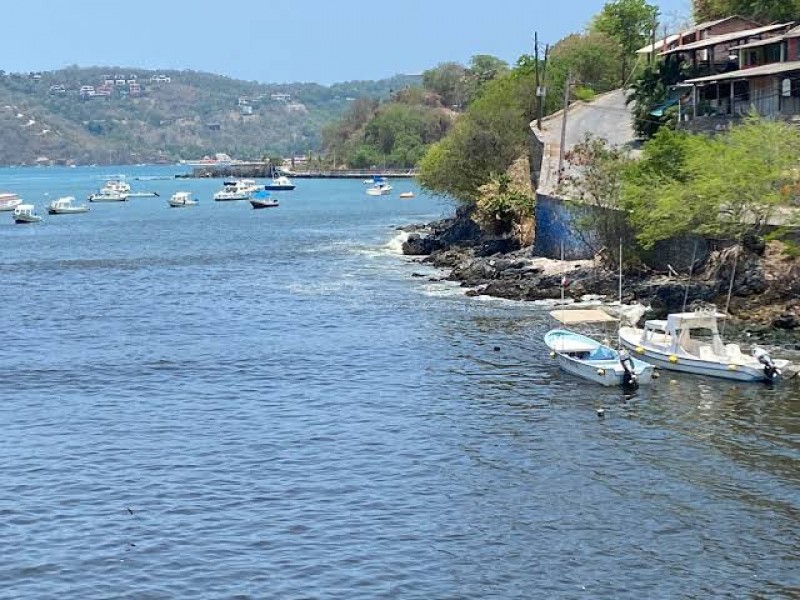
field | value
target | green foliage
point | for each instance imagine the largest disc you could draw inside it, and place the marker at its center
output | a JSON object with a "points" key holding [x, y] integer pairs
{"points": [[790, 249], [592, 59], [395, 134], [629, 22], [723, 186], [169, 121], [501, 205], [485, 140], [763, 11], [648, 92], [448, 81]]}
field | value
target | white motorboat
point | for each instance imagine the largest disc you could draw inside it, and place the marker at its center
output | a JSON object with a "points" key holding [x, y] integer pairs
{"points": [[65, 206], [379, 187], [9, 202], [280, 184], [240, 189], [691, 343], [589, 359], [105, 195], [180, 199], [26, 213], [117, 184]]}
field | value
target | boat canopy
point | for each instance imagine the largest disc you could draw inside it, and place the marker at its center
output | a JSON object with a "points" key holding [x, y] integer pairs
{"points": [[693, 320], [573, 317]]}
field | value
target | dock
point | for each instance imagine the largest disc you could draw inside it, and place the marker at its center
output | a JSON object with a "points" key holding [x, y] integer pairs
{"points": [[262, 170]]}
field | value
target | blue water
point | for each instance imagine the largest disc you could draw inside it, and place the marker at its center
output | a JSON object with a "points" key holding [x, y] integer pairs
{"points": [[216, 402]]}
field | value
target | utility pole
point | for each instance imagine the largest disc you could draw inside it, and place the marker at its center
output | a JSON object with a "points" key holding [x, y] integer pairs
{"points": [[536, 75], [567, 92], [541, 82]]}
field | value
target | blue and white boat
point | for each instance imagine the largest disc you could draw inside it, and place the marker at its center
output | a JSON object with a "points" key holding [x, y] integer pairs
{"points": [[379, 187], [585, 357]]}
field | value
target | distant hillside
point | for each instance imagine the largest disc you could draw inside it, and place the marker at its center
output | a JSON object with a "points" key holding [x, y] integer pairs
{"points": [[110, 115]]}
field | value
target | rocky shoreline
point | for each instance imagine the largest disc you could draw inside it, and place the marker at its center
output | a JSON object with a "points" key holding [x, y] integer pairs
{"points": [[765, 292]]}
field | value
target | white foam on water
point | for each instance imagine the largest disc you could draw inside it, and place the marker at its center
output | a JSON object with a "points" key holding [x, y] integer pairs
{"points": [[395, 245]]}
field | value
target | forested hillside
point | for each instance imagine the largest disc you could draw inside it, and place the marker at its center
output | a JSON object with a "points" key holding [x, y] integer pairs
{"points": [[114, 115]]}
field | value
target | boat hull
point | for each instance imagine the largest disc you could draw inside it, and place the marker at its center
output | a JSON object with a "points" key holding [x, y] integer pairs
{"points": [[104, 198], [25, 220], [68, 211], [279, 188], [606, 371], [264, 204]]}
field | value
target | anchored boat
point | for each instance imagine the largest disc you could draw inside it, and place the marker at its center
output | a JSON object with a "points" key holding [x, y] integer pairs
{"points": [[585, 357], [65, 206], [691, 343]]}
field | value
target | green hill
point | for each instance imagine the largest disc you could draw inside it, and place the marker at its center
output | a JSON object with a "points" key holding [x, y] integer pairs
{"points": [[113, 115]]}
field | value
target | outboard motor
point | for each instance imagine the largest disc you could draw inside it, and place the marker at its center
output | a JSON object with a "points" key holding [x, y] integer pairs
{"points": [[762, 356], [629, 381]]}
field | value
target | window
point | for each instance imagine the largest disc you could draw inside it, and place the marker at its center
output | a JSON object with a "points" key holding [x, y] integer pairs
{"points": [[772, 53]]}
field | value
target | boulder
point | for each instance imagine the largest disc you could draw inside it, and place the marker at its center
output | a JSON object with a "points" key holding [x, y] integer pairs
{"points": [[786, 321], [416, 245]]}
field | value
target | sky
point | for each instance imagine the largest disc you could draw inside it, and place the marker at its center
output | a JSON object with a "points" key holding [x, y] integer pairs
{"points": [[323, 41]]}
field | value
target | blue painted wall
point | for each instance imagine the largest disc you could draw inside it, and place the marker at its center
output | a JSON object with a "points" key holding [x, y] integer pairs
{"points": [[555, 224]]}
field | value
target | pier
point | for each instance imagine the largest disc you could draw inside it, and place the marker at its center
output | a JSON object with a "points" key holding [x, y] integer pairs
{"points": [[265, 170]]}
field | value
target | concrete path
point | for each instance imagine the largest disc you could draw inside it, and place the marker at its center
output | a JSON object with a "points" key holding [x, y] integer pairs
{"points": [[606, 117]]}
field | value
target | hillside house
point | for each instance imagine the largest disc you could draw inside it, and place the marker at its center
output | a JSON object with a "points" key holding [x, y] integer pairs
{"points": [[160, 79], [87, 91], [767, 80]]}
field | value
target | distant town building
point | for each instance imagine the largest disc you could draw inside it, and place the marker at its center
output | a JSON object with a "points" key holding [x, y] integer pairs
{"points": [[58, 90], [280, 97], [160, 79], [246, 110], [87, 91]]}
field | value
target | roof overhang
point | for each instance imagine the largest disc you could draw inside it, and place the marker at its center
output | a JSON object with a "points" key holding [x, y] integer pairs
{"points": [[741, 74], [725, 38]]}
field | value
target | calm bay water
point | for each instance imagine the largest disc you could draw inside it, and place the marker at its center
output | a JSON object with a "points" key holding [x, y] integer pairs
{"points": [[217, 402]]}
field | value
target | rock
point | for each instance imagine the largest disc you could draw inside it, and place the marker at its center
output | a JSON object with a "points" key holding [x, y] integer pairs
{"points": [[416, 245], [449, 258], [475, 271], [786, 321], [496, 246], [754, 243]]}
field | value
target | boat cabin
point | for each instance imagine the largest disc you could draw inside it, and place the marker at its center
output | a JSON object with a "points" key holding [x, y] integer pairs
{"points": [[690, 333]]}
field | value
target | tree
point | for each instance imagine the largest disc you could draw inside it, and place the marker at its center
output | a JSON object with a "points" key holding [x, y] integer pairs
{"points": [[649, 92], [592, 58], [446, 80], [629, 22], [724, 186], [484, 141], [763, 11]]}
